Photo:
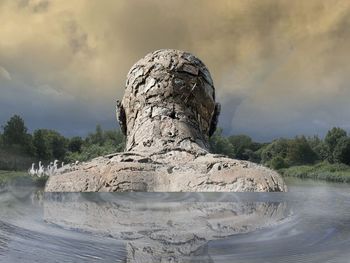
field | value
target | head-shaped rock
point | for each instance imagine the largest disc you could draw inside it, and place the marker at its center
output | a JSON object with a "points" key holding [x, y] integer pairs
{"points": [[169, 103]]}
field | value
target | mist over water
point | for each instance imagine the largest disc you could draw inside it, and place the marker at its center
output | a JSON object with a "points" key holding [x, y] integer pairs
{"points": [[311, 223], [318, 231]]}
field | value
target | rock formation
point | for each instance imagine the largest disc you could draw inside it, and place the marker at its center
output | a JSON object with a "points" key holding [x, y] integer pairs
{"points": [[168, 113]]}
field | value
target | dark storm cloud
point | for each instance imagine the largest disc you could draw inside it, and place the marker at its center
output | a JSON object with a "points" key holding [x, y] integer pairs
{"points": [[280, 67], [34, 6], [66, 114], [77, 38]]}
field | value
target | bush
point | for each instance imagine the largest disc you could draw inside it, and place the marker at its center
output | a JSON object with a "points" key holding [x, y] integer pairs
{"points": [[277, 163], [220, 144], [91, 151]]}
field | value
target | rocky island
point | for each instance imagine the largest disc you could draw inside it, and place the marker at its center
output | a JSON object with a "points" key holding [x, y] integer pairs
{"points": [[168, 113]]}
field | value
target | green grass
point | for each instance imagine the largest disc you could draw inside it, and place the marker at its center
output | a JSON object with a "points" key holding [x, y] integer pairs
{"points": [[9, 177], [320, 171]]}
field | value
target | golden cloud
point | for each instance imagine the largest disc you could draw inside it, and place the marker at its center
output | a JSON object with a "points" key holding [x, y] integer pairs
{"points": [[289, 54]]}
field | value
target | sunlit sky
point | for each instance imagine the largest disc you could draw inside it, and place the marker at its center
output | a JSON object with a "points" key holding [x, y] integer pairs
{"points": [[280, 67]]}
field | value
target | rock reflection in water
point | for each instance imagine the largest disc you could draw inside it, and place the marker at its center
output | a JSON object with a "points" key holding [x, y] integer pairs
{"points": [[159, 227]]}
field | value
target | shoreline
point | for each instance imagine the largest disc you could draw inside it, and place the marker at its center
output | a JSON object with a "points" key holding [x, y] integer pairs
{"points": [[19, 178], [339, 173], [322, 171]]}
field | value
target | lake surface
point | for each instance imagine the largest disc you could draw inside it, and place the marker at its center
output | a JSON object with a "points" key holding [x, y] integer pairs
{"points": [[311, 223]]}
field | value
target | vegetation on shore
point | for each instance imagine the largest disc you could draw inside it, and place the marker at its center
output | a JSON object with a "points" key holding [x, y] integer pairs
{"points": [[19, 149], [303, 157], [320, 171], [17, 177]]}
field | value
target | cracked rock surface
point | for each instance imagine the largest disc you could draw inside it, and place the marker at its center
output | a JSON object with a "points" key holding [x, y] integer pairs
{"points": [[168, 113]]}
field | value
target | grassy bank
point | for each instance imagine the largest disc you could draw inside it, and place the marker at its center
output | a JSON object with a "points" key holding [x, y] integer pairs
{"points": [[321, 171], [15, 177]]}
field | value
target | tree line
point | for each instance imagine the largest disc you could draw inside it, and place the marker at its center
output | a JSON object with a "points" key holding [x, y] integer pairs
{"points": [[47, 145], [283, 152], [18, 147]]}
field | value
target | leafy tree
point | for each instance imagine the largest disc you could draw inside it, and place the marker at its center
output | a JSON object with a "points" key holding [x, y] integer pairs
{"points": [[332, 138], [319, 147], [253, 156], [278, 148], [220, 144], [277, 163], [322, 151], [58, 145], [41, 145], [49, 145], [341, 153], [97, 137], [314, 141], [75, 144], [293, 152], [240, 144], [15, 131], [115, 138], [300, 152], [97, 144], [29, 147]]}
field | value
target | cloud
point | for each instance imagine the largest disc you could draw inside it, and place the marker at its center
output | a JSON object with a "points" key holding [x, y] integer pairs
{"points": [[4, 74], [278, 65]]}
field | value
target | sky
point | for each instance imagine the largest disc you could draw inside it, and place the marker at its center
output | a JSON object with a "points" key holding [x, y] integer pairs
{"points": [[280, 68]]}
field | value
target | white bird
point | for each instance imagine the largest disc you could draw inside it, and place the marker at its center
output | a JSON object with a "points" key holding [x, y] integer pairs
{"points": [[41, 170], [47, 170], [50, 169], [76, 162], [32, 171], [54, 168], [62, 164]]}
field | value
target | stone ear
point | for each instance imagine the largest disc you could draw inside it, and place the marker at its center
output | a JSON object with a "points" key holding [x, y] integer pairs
{"points": [[215, 119], [121, 117]]}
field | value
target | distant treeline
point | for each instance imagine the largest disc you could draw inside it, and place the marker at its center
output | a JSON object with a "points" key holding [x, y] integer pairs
{"points": [[284, 153], [18, 148]]}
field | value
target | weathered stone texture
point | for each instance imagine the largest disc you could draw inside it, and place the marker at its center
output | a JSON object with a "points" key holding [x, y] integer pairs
{"points": [[168, 113], [169, 100]]}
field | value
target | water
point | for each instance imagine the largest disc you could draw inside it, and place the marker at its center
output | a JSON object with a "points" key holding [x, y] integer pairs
{"points": [[311, 223]]}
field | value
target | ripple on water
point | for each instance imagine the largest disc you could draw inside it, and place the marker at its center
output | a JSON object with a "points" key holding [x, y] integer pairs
{"points": [[309, 224]]}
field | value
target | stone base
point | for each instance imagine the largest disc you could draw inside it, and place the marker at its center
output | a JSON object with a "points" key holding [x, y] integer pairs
{"points": [[172, 171]]}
